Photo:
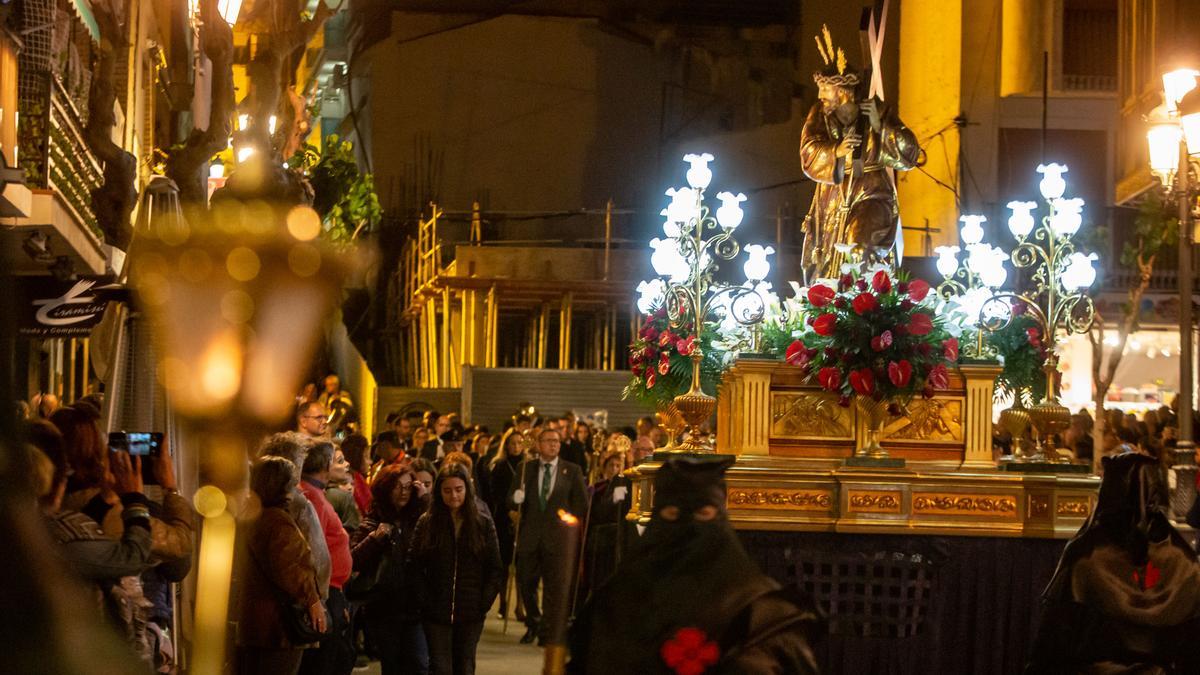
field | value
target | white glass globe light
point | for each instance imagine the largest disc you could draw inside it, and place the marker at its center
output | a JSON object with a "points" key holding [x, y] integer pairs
{"points": [[684, 207], [667, 260], [670, 227], [1052, 185], [651, 295], [1177, 83], [1068, 216], [758, 267], [972, 231], [699, 175], [947, 260], [1020, 223], [1079, 272], [730, 214], [1163, 141]]}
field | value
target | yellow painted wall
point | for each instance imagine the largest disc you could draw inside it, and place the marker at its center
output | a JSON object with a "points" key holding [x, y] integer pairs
{"points": [[931, 88]]}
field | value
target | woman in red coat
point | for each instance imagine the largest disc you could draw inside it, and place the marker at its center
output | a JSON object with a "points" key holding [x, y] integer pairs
{"points": [[276, 568]]}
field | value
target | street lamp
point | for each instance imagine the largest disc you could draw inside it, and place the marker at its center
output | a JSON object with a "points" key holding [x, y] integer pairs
{"points": [[1173, 139]]}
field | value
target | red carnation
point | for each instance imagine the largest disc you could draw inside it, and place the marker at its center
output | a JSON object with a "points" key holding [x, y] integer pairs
{"points": [[689, 652], [845, 282], [939, 377], [882, 341], [950, 349], [864, 303], [862, 381], [820, 295], [900, 372], [830, 378], [825, 324], [797, 354], [920, 324], [1035, 337], [881, 282], [649, 332], [861, 284], [918, 289]]}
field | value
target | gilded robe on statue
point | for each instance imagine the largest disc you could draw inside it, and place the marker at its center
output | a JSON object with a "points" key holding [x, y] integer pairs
{"points": [[849, 209]]}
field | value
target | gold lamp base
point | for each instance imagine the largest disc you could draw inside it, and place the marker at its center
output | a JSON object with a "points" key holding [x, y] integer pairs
{"points": [[695, 407], [874, 413], [1049, 418]]}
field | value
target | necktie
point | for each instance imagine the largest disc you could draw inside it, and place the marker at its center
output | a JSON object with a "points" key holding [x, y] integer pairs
{"points": [[544, 494]]}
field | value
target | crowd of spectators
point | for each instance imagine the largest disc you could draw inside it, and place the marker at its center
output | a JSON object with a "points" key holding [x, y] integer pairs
{"points": [[1153, 433]]}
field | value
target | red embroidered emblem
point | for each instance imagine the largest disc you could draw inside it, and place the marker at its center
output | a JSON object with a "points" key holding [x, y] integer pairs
{"points": [[689, 652], [1146, 577]]}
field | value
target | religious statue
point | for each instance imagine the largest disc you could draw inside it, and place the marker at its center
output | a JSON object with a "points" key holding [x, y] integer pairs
{"points": [[850, 146]]}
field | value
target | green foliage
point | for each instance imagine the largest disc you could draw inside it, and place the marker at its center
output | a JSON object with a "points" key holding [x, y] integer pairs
{"points": [[343, 196], [1023, 356], [657, 349], [1156, 225]]}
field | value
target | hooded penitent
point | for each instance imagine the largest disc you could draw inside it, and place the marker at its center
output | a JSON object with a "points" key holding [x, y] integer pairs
{"points": [[687, 598], [1126, 594]]}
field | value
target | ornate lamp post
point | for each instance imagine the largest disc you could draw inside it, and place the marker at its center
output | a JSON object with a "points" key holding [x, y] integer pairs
{"points": [[974, 280], [1060, 275], [1174, 143], [688, 259], [235, 297]]}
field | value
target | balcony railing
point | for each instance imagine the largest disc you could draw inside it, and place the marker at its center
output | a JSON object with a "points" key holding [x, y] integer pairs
{"points": [[54, 154]]}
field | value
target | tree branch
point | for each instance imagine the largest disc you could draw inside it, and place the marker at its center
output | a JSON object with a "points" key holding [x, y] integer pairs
{"points": [[114, 199]]}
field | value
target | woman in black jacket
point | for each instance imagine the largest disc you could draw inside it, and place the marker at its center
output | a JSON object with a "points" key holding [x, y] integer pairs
{"points": [[457, 558], [502, 469], [384, 578]]}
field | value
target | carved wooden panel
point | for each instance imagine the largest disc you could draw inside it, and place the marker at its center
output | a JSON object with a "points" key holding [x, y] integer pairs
{"points": [[872, 501], [935, 420], [804, 415], [1073, 507], [964, 504], [794, 500]]}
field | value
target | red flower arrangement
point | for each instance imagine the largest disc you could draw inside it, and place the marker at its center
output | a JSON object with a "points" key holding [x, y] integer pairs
{"points": [[660, 360], [874, 338]]}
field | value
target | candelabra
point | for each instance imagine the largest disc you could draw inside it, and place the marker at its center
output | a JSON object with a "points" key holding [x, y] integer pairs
{"points": [[1059, 276], [687, 258], [972, 281]]}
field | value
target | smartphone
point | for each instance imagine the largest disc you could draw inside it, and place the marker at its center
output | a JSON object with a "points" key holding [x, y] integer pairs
{"points": [[144, 444]]}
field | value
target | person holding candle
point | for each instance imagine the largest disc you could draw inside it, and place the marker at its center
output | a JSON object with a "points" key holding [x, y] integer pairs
{"points": [[544, 486], [456, 558]]}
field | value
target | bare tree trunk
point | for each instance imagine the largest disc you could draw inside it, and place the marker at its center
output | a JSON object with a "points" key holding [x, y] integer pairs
{"points": [[1129, 324], [113, 201], [186, 164]]}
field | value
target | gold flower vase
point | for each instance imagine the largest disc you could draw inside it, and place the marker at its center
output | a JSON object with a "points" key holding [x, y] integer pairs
{"points": [[1016, 422], [695, 407]]}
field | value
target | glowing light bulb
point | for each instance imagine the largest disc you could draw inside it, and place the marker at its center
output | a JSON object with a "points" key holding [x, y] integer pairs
{"points": [[684, 207], [1052, 185], [972, 231], [1020, 223], [1068, 216], [730, 213], [699, 176], [758, 267], [668, 262], [216, 169], [947, 261], [1079, 272], [651, 295]]}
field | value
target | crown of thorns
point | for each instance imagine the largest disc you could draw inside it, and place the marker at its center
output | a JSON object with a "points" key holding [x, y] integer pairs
{"points": [[835, 71]]}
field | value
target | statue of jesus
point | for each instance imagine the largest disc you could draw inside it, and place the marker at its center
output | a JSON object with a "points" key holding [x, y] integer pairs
{"points": [[855, 202]]}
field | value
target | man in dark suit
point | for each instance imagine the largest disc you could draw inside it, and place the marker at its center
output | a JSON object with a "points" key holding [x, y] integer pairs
{"points": [[572, 450], [546, 484], [435, 449]]}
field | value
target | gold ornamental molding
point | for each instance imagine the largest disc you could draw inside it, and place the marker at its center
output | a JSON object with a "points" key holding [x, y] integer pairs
{"points": [[1039, 506], [1077, 507], [964, 504], [783, 499], [874, 502]]}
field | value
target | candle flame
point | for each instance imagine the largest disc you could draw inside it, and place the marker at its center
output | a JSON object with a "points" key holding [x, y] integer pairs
{"points": [[567, 518]]}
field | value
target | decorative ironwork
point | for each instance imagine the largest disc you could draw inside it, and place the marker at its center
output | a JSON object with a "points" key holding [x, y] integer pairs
{"points": [[964, 503], [805, 501], [809, 415]]}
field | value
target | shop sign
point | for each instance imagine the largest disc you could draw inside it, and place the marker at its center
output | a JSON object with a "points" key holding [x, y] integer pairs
{"points": [[50, 308]]}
